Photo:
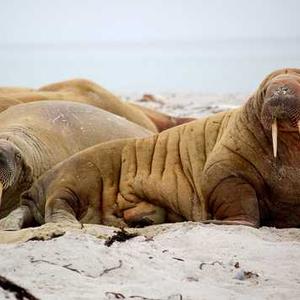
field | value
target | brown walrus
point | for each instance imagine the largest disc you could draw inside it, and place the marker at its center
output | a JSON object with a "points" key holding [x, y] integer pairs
{"points": [[36, 136], [223, 169], [88, 92]]}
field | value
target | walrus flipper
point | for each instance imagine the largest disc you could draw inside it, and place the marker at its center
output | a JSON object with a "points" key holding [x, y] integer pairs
{"points": [[237, 222], [144, 214], [58, 210], [19, 218], [231, 198]]}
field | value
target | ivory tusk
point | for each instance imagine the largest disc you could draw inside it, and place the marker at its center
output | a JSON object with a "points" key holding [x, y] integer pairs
{"points": [[298, 126], [274, 137]]}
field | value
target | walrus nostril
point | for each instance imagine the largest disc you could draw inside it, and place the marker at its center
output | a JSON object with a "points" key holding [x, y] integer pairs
{"points": [[282, 91]]}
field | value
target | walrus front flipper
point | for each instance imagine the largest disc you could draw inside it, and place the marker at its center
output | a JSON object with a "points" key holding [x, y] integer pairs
{"points": [[58, 210], [224, 222], [234, 202], [144, 214], [232, 192], [19, 218]]}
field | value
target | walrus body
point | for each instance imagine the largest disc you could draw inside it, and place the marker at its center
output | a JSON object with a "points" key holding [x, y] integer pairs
{"points": [[88, 92], [36, 136], [222, 169], [161, 120]]}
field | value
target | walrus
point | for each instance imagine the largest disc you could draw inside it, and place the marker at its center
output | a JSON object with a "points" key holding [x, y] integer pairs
{"points": [[88, 92], [237, 167], [162, 121], [36, 136]]}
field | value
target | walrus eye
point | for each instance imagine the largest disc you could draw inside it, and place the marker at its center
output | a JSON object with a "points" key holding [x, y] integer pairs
{"points": [[18, 156]]}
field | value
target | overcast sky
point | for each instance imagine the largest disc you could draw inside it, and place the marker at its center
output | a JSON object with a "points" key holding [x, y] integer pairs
{"points": [[92, 21]]}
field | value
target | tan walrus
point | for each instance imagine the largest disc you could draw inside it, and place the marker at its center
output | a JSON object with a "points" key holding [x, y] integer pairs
{"points": [[36, 136], [223, 169], [88, 92]]}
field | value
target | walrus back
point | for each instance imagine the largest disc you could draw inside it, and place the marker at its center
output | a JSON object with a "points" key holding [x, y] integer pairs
{"points": [[56, 130], [79, 91], [98, 96]]}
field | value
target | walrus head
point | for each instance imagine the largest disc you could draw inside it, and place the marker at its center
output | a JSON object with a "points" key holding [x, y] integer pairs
{"points": [[280, 110], [11, 166]]}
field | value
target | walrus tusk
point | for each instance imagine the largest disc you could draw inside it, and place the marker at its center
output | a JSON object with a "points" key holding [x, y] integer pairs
{"points": [[298, 126], [1, 190], [274, 137]]}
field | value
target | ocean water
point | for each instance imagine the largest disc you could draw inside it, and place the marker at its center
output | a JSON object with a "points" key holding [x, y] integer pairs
{"points": [[207, 66]]}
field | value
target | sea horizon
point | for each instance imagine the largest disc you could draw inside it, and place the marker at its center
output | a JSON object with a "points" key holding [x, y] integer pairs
{"points": [[204, 66]]}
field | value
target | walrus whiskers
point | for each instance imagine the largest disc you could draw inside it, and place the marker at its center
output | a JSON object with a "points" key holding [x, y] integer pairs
{"points": [[274, 137]]}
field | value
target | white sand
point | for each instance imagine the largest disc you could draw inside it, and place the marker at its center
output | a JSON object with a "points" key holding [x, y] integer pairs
{"points": [[181, 261], [172, 261]]}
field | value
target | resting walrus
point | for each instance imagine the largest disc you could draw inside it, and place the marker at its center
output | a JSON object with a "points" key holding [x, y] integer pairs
{"points": [[223, 168], [36, 136], [88, 92]]}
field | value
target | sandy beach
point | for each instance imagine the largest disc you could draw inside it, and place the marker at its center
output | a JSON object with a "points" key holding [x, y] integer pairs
{"points": [[168, 262]]}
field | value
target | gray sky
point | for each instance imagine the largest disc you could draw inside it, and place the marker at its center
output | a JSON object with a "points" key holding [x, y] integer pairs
{"points": [[92, 21]]}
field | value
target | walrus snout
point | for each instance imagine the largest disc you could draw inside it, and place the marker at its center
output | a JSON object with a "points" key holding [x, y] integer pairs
{"points": [[282, 103], [10, 158], [281, 107]]}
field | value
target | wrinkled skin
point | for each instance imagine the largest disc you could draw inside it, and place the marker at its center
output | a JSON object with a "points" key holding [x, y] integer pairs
{"points": [[36, 136], [88, 92], [220, 169]]}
